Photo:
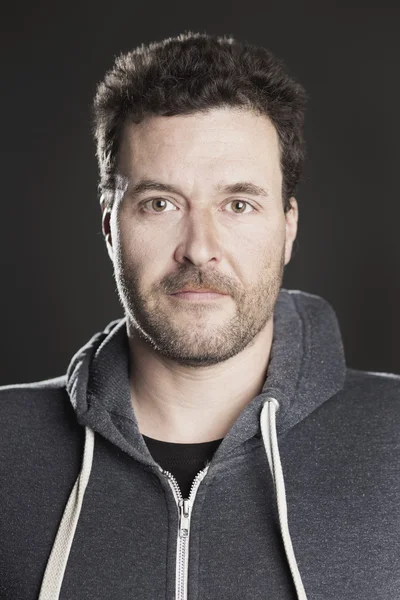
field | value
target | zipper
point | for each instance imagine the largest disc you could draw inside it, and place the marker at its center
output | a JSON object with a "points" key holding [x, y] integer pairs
{"points": [[185, 506]]}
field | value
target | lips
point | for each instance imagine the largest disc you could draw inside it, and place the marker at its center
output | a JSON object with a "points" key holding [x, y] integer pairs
{"points": [[199, 291]]}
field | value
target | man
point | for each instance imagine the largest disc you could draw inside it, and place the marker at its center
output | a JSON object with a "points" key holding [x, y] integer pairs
{"points": [[212, 444]]}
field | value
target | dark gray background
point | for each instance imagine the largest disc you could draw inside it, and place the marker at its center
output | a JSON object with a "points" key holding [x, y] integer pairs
{"points": [[57, 284]]}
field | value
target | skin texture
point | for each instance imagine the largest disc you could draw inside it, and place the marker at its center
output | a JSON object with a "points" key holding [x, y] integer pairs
{"points": [[195, 365]]}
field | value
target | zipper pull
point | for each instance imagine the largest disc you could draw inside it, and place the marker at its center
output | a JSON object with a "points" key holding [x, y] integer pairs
{"points": [[184, 514]]}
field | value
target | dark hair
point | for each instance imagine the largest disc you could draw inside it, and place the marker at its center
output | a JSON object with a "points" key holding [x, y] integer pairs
{"points": [[195, 72]]}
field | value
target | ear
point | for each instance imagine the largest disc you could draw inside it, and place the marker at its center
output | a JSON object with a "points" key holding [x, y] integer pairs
{"points": [[105, 227], [291, 218]]}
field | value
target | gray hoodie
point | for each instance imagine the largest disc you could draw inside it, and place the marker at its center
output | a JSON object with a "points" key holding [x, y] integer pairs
{"points": [[301, 499]]}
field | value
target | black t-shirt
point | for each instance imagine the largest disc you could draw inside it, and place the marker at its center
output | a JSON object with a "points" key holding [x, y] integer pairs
{"points": [[184, 461]]}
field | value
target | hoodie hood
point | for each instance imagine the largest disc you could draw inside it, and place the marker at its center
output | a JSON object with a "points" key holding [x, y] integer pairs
{"points": [[306, 368]]}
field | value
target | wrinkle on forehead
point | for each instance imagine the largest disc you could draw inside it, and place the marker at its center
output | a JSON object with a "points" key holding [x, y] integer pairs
{"points": [[211, 147]]}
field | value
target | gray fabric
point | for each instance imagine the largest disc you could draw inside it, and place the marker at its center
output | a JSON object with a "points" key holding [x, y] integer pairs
{"points": [[338, 432], [306, 367]]}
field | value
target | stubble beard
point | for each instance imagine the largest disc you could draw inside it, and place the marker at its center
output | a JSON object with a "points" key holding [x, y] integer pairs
{"points": [[190, 341]]}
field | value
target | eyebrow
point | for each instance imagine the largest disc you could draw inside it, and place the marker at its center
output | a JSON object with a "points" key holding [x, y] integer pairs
{"points": [[240, 187]]}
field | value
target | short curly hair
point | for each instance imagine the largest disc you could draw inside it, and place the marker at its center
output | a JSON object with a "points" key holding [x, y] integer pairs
{"points": [[196, 72]]}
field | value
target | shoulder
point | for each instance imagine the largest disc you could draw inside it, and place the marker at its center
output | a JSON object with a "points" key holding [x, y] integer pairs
{"points": [[47, 387], [21, 398], [373, 383], [54, 383], [369, 402], [36, 417]]}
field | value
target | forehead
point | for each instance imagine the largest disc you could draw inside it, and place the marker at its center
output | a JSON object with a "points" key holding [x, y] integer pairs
{"points": [[213, 143]]}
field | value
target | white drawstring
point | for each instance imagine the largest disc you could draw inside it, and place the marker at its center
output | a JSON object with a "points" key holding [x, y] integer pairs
{"points": [[270, 439], [56, 565], [55, 569]]}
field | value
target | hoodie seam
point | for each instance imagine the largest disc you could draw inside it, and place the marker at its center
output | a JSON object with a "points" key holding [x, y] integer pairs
{"points": [[304, 336], [170, 533], [199, 544], [167, 554]]}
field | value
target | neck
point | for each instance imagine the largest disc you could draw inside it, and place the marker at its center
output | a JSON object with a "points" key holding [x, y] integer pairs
{"points": [[181, 404]]}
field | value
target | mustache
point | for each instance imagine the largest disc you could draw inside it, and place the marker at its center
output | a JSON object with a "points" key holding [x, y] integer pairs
{"points": [[196, 280]]}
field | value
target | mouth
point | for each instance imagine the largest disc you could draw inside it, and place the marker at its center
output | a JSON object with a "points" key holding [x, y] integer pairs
{"points": [[199, 291], [199, 294]]}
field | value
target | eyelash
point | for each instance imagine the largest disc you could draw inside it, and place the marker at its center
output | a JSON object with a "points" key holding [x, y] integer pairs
{"points": [[161, 198]]}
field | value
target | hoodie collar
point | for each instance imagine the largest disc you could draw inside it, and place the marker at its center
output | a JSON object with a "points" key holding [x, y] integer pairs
{"points": [[306, 368]]}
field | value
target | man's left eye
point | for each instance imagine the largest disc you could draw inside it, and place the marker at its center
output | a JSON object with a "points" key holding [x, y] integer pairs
{"points": [[242, 205]]}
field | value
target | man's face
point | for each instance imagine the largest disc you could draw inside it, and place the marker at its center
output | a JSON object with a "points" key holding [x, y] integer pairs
{"points": [[200, 234]]}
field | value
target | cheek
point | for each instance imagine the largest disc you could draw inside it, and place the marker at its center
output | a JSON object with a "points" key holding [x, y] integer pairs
{"points": [[132, 245], [140, 253], [266, 242]]}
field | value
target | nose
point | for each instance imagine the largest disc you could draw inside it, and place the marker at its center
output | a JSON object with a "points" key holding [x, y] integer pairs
{"points": [[199, 242]]}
